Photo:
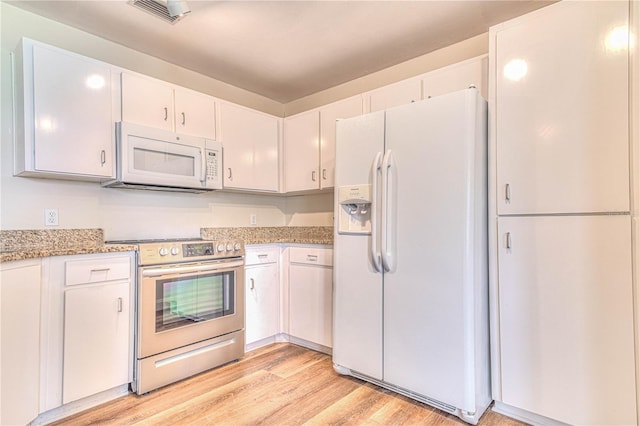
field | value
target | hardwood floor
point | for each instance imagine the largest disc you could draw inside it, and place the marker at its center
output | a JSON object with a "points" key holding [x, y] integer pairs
{"points": [[282, 384]]}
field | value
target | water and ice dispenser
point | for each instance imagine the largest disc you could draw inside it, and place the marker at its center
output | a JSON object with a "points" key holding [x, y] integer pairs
{"points": [[355, 209]]}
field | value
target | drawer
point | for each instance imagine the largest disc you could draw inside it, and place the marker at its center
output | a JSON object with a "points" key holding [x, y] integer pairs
{"points": [[259, 256], [97, 269], [311, 256]]}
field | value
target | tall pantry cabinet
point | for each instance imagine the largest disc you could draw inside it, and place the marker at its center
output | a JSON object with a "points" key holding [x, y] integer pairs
{"points": [[561, 246]]}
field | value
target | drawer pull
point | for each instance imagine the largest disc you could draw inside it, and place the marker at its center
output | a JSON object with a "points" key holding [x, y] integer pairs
{"points": [[101, 270], [262, 256], [119, 304], [312, 257], [253, 284]]}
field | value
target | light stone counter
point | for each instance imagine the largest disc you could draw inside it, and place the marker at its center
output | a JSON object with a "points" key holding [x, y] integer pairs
{"points": [[272, 234], [31, 244]]}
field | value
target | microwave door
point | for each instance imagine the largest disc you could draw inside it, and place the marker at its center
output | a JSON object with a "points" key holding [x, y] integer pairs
{"points": [[156, 162]]}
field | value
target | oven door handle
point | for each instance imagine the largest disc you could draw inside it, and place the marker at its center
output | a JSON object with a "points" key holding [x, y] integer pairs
{"points": [[196, 268]]}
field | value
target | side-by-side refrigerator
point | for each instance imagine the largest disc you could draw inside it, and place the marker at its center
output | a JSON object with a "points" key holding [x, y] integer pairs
{"points": [[410, 245]]}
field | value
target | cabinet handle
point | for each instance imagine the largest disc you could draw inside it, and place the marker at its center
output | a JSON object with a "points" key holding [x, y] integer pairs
{"points": [[313, 175], [184, 119], [262, 256], [508, 241], [312, 257], [253, 284], [230, 174], [101, 270], [507, 193], [166, 113], [324, 174], [119, 304], [103, 157]]}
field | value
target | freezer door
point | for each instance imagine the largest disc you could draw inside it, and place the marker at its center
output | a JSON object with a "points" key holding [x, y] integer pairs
{"points": [[357, 326], [438, 291]]}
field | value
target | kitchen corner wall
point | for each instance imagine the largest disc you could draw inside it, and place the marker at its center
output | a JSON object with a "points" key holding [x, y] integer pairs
{"points": [[126, 214]]}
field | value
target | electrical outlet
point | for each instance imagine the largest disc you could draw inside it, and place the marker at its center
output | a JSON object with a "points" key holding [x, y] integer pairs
{"points": [[51, 217], [253, 219]]}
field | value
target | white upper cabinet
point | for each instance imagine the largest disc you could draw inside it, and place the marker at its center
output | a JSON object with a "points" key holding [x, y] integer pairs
{"points": [[250, 148], [301, 151], [155, 103], [310, 145], [457, 77], [147, 102], [194, 113], [328, 115], [396, 94], [64, 114], [401, 93], [561, 121]]}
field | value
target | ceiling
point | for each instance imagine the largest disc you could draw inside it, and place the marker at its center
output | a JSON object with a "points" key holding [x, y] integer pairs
{"points": [[285, 50]]}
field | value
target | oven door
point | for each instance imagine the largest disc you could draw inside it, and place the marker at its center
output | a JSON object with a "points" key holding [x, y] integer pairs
{"points": [[188, 303]]}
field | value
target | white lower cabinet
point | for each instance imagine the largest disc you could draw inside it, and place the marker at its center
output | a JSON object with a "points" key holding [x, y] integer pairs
{"points": [[565, 301], [20, 289], [96, 339], [311, 294], [262, 280], [87, 330], [97, 325]]}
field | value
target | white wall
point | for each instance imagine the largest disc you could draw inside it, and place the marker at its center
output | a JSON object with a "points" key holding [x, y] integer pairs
{"points": [[140, 214]]}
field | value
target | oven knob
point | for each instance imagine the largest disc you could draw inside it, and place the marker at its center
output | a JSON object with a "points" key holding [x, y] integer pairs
{"points": [[229, 247], [220, 247], [174, 251], [236, 247], [163, 251]]}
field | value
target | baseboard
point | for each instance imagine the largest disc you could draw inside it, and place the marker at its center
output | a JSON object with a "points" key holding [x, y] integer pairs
{"points": [[80, 405]]}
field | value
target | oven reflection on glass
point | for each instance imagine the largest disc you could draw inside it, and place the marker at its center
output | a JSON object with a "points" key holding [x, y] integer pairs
{"points": [[184, 301]]}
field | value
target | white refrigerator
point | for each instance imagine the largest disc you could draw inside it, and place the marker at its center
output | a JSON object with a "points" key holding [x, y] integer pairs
{"points": [[410, 246]]}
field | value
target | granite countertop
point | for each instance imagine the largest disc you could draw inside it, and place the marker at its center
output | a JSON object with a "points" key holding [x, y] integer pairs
{"points": [[32, 244], [272, 234]]}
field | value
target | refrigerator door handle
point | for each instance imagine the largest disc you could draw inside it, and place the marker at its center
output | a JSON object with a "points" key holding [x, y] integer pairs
{"points": [[388, 212], [375, 179]]}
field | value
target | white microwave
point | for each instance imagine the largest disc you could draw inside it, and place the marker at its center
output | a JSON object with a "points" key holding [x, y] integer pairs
{"points": [[149, 158]]}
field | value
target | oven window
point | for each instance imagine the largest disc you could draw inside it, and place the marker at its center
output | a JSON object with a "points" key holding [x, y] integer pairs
{"points": [[184, 301]]}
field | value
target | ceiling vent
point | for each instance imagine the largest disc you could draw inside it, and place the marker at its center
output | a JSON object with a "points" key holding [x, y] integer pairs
{"points": [[162, 9]]}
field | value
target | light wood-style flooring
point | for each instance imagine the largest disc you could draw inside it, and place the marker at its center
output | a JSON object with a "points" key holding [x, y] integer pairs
{"points": [[281, 384]]}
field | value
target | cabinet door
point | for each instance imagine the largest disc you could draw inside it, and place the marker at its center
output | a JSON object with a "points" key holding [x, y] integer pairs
{"points": [[20, 334], [96, 339], [73, 122], [401, 93], [328, 115], [566, 317], [457, 77], [562, 110], [250, 141], [301, 151], [147, 102], [311, 303], [262, 298], [194, 113]]}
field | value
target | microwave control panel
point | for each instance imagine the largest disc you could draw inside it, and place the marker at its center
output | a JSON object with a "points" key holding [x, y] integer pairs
{"points": [[212, 165]]}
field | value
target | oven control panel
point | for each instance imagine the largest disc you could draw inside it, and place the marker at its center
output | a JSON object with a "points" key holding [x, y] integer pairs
{"points": [[197, 249], [153, 253]]}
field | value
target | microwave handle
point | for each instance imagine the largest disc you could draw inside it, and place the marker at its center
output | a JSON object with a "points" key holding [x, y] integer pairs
{"points": [[203, 165]]}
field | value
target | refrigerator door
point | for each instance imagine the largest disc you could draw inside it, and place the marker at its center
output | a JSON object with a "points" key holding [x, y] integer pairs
{"points": [[357, 338], [439, 229]]}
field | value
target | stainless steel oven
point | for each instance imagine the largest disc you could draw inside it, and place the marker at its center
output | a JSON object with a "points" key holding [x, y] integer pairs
{"points": [[190, 304]]}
